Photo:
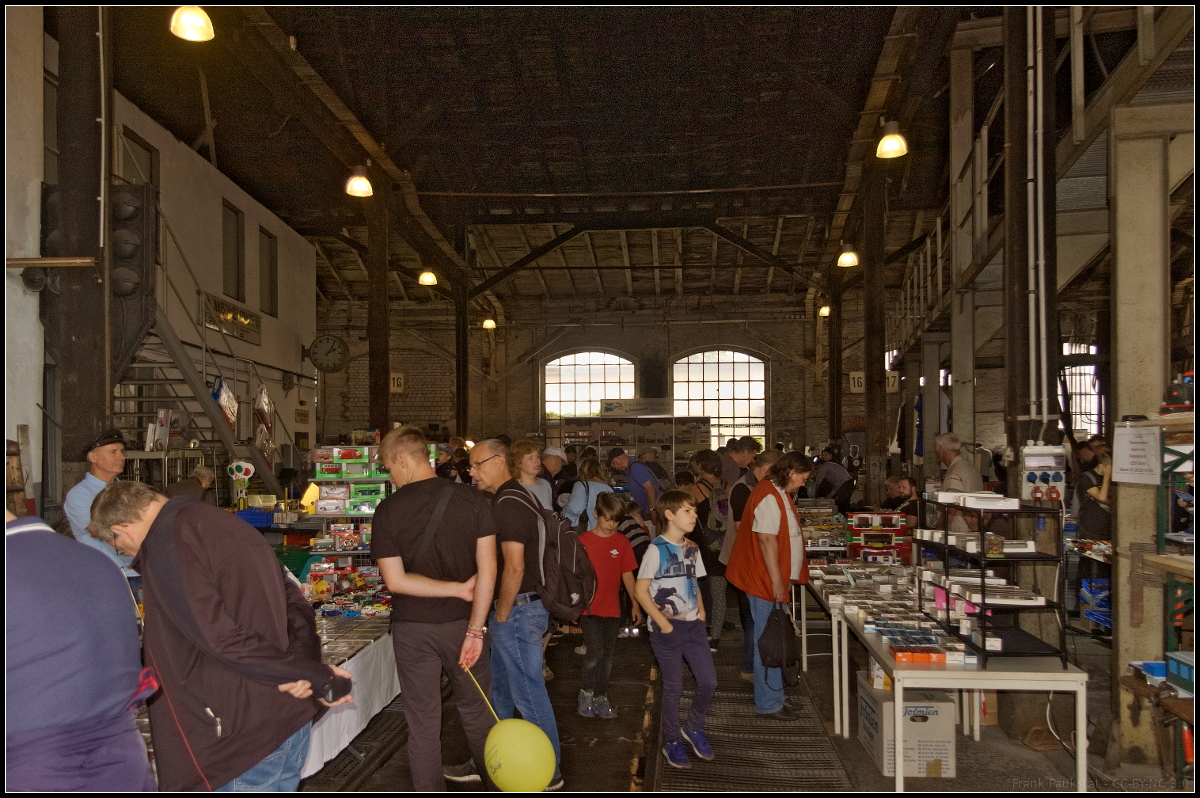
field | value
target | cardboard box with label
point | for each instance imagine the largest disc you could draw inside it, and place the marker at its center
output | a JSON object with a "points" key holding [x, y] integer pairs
{"points": [[928, 733]]}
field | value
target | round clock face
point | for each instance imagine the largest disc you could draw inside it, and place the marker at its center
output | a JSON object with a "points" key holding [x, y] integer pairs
{"points": [[328, 352]]}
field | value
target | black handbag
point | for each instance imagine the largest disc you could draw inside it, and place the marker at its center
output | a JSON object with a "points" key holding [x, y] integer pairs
{"points": [[777, 645]]}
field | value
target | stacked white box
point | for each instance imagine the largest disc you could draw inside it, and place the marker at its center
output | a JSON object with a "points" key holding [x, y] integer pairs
{"points": [[928, 732]]}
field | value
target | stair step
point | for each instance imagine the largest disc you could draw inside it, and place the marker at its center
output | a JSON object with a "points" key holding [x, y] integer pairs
{"points": [[164, 381]]}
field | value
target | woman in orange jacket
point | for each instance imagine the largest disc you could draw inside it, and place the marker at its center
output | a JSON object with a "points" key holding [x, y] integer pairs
{"points": [[767, 557]]}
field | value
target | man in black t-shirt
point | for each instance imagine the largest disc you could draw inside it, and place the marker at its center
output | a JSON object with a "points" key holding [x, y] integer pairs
{"points": [[440, 599], [519, 619]]}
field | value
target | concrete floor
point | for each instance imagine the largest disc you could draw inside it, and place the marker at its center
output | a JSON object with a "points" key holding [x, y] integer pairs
{"points": [[608, 756]]}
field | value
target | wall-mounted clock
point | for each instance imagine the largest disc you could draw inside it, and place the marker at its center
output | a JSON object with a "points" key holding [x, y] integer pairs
{"points": [[328, 353]]}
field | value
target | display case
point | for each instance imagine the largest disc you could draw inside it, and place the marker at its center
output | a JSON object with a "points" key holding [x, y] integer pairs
{"points": [[971, 556]]}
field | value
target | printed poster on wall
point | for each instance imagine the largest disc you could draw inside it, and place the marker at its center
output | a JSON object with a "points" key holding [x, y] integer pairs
{"points": [[1137, 455]]}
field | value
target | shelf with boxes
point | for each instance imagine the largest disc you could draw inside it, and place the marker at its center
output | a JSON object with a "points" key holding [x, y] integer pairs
{"points": [[968, 583], [350, 481]]}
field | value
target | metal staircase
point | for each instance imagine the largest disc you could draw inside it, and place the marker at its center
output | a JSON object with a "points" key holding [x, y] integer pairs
{"points": [[164, 374]]}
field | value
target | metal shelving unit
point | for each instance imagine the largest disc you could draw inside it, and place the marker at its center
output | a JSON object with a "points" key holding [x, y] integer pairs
{"points": [[1015, 642]]}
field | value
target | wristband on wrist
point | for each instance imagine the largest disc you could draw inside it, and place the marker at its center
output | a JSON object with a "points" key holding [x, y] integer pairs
{"points": [[476, 635], [479, 629]]}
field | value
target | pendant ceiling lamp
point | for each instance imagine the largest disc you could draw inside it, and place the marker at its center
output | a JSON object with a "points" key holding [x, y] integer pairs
{"points": [[191, 23]]}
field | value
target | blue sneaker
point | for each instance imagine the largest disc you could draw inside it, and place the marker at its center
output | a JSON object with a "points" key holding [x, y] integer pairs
{"points": [[587, 706], [699, 744], [603, 708], [676, 755]]}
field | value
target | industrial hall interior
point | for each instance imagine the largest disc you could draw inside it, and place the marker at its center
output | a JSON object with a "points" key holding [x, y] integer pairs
{"points": [[855, 341]]}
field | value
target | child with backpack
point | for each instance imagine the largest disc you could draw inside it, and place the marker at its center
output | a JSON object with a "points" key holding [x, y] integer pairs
{"points": [[668, 590], [614, 562]]}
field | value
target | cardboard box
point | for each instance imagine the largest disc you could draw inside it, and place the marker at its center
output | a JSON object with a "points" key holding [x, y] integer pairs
{"points": [[929, 737]]}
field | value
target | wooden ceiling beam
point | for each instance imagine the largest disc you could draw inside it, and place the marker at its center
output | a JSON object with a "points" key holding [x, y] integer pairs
{"points": [[587, 237], [654, 255], [521, 263], [562, 258], [767, 257], [775, 252]]}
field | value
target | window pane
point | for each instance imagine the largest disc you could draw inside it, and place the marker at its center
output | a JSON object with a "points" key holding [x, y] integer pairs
{"points": [[741, 390], [712, 390], [232, 249], [552, 373], [725, 372], [757, 390], [681, 408], [268, 273], [566, 374], [757, 371], [627, 390], [680, 371], [627, 373], [710, 372], [741, 371]]}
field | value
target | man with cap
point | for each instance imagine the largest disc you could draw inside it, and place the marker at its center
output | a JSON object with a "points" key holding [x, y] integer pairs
{"points": [[106, 458], [553, 460]]}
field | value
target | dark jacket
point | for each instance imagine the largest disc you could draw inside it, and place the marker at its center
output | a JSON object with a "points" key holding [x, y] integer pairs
{"points": [[212, 721]]}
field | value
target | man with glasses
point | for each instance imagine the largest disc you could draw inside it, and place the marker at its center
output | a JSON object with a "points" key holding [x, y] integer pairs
{"points": [[518, 619], [106, 458]]}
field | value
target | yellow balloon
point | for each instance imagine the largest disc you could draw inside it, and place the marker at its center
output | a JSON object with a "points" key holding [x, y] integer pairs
{"points": [[519, 756]]}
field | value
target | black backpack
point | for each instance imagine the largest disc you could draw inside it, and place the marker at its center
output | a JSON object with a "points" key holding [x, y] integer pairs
{"points": [[567, 582]]}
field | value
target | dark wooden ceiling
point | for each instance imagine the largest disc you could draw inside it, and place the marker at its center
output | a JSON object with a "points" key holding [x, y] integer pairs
{"points": [[643, 126]]}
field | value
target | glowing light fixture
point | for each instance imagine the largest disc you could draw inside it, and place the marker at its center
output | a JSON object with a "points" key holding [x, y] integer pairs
{"points": [[489, 324], [848, 258], [824, 311], [358, 185], [427, 278], [470, 444], [191, 23], [892, 145]]}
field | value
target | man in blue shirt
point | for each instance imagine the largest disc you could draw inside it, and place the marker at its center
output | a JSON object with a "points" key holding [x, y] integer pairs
{"points": [[106, 454]]}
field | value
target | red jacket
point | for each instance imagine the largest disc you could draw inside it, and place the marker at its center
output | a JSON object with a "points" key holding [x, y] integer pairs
{"points": [[746, 569], [211, 723]]}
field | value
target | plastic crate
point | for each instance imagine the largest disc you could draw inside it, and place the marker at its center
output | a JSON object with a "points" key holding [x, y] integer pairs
{"points": [[1102, 617], [1096, 592], [257, 517], [295, 558]]}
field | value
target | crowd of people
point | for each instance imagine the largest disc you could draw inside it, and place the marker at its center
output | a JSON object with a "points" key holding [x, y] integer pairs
{"points": [[229, 658]]}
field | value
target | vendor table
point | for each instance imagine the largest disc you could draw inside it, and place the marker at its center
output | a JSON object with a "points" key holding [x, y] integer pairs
{"points": [[1029, 674], [365, 649]]}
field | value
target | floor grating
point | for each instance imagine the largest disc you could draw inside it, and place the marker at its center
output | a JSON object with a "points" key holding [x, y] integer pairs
{"points": [[754, 754]]}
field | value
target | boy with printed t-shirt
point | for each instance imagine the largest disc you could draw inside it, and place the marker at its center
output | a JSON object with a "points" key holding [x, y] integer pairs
{"points": [[668, 591], [612, 557]]}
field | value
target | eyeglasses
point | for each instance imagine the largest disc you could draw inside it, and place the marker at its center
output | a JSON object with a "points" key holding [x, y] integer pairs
{"points": [[481, 462]]}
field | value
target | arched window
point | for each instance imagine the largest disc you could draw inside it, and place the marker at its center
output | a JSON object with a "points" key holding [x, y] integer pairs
{"points": [[576, 384], [728, 387]]}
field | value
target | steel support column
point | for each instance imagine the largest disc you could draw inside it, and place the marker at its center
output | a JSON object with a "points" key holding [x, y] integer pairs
{"points": [[1016, 239], [834, 372], [379, 359], [931, 404], [874, 347], [461, 353]]}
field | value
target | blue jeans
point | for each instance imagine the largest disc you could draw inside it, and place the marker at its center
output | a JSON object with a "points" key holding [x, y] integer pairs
{"points": [[279, 772], [687, 642], [517, 680], [768, 692]]}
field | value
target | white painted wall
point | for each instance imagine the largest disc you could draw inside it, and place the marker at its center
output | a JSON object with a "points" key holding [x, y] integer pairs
{"points": [[191, 195], [24, 352]]}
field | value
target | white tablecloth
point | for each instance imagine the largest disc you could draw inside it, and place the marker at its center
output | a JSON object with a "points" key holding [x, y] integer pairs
{"points": [[375, 685]]}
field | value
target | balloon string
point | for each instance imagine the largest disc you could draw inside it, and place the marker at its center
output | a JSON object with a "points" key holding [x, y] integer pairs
{"points": [[480, 689]]}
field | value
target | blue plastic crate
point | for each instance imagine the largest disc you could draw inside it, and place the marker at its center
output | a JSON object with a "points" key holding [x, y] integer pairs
{"points": [[1096, 592], [257, 517], [1102, 617]]}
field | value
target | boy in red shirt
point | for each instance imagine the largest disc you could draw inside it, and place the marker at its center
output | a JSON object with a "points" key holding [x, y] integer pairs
{"points": [[612, 557]]}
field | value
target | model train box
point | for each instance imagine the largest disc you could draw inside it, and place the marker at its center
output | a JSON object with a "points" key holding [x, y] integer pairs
{"points": [[929, 738]]}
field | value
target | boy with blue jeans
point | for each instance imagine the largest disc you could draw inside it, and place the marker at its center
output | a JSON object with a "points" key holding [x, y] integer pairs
{"points": [[668, 590]]}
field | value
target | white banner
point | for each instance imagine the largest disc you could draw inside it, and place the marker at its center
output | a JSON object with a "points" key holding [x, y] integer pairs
{"points": [[637, 407]]}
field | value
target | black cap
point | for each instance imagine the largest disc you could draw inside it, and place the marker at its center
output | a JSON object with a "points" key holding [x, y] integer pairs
{"points": [[614, 453], [109, 436]]}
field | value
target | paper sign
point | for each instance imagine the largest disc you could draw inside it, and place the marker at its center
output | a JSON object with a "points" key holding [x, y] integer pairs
{"points": [[1137, 456]]}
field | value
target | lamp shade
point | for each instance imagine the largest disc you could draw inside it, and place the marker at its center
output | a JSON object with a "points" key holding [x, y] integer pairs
{"points": [[489, 324], [427, 278], [824, 311], [191, 23], [892, 145], [358, 185], [848, 258]]}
